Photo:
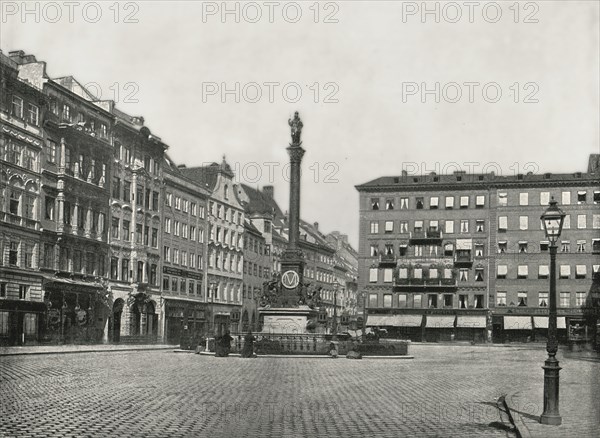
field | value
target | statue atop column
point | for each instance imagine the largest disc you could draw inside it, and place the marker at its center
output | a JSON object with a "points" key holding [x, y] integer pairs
{"points": [[296, 128]]}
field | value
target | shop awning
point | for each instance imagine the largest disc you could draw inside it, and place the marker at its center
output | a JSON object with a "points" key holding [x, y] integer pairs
{"points": [[517, 323], [62, 280], [188, 300], [542, 322], [440, 321], [471, 321], [394, 320]]}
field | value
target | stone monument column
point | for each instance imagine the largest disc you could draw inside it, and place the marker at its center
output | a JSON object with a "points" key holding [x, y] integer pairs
{"points": [[292, 261]]}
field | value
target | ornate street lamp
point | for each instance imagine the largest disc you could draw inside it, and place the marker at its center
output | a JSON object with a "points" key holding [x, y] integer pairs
{"points": [[336, 287], [552, 219]]}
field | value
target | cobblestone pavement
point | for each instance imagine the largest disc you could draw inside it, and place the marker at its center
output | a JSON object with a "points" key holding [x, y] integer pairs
{"points": [[446, 391]]}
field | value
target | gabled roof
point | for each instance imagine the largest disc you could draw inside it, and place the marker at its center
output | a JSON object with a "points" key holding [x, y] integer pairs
{"points": [[206, 176], [249, 226], [259, 202], [71, 84]]}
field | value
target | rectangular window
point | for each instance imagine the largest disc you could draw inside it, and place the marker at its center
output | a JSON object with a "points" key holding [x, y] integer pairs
{"points": [[567, 222], [420, 203], [374, 250], [49, 208], [127, 230], [389, 226], [464, 226], [418, 301], [167, 253], [523, 222], [480, 201], [154, 237], [596, 221], [580, 298], [387, 300], [433, 202], [580, 271], [565, 271], [125, 270], [522, 299], [544, 198], [402, 300], [566, 198], [374, 203], [581, 197], [167, 225], [464, 202], [523, 247], [523, 198], [115, 228], [387, 275], [581, 221], [500, 299], [374, 227], [502, 223], [116, 188], [155, 201], [449, 226], [502, 199], [522, 271], [543, 271], [479, 250], [372, 300], [403, 203], [449, 202], [17, 107], [565, 299], [373, 275], [51, 151], [389, 204], [502, 271], [126, 191]]}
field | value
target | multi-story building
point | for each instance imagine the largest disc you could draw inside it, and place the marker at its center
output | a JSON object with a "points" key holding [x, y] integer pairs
{"points": [[520, 263], [22, 108], [225, 244], [256, 269], [346, 273], [135, 229], [74, 199], [439, 254], [184, 256]]}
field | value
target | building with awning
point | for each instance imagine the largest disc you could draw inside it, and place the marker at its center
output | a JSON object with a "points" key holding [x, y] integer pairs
{"points": [[440, 321], [541, 322], [471, 321], [517, 323], [394, 320]]}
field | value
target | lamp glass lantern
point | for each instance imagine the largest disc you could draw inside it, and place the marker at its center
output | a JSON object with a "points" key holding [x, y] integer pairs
{"points": [[553, 220]]}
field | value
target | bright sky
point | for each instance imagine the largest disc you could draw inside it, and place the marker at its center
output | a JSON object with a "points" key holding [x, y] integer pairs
{"points": [[360, 77]]}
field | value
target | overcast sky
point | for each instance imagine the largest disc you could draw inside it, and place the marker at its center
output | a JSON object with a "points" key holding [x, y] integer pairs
{"points": [[361, 69]]}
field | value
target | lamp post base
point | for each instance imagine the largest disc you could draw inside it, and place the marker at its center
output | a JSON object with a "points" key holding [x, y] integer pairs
{"points": [[551, 414], [551, 420]]}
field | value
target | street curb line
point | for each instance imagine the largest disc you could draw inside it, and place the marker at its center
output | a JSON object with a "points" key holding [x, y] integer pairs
{"points": [[520, 428], [301, 356], [37, 353]]}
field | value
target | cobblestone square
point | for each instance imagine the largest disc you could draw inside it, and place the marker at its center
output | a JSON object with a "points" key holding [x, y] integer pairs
{"points": [[445, 391]]}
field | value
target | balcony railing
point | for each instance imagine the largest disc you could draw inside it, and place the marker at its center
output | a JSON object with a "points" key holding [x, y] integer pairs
{"points": [[428, 236], [19, 220], [425, 282], [463, 259], [387, 259]]}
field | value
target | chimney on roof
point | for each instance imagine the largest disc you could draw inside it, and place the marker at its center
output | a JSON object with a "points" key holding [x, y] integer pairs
{"points": [[20, 57], [181, 166], [269, 191], [594, 163], [316, 225], [405, 173]]}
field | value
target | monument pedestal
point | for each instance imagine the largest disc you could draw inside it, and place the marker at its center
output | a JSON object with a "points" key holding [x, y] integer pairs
{"points": [[287, 321]]}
